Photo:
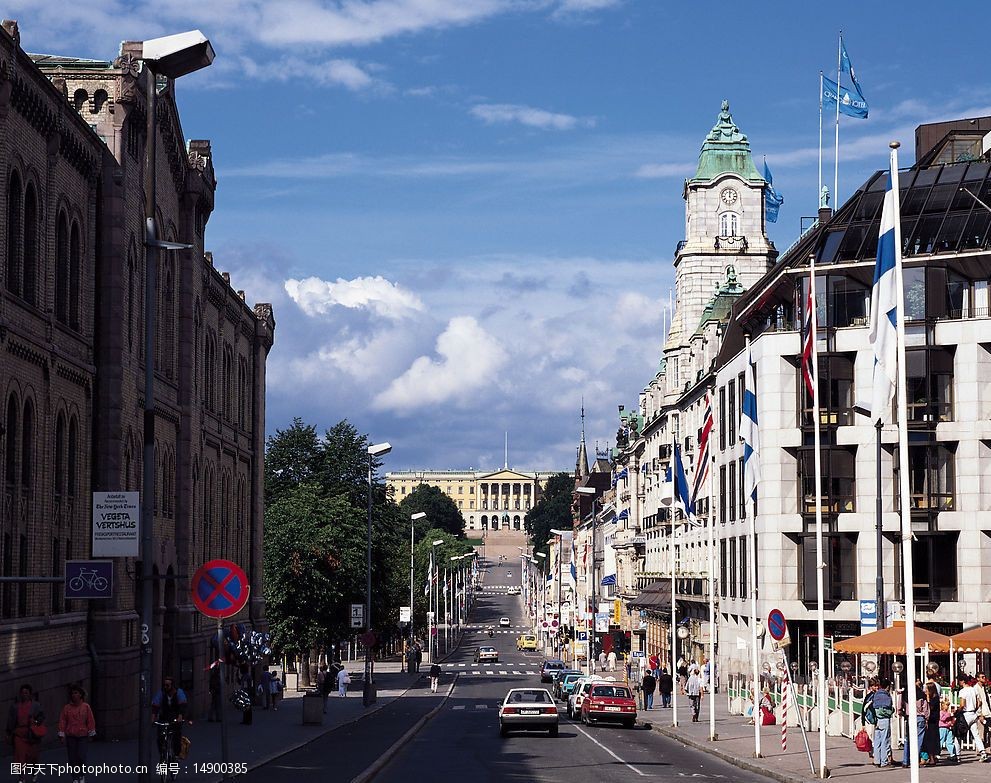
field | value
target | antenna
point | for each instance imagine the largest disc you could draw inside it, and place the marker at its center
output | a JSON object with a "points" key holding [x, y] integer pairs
{"points": [[583, 418], [506, 463]]}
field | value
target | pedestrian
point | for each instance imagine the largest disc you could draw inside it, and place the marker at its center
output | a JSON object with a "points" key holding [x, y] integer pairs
{"points": [[766, 705], [694, 690], [248, 684], [867, 714], [665, 686], [706, 674], [411, 660], [418, 657], [984, 706], [26, 728], [602, 660], [648, 685], [654, 664], [883, 708], [612, 660], [265, 688], [343, 680], [921, 719], [434, 676], [930, 738], [76, 726], [275, 689], [323, 685], [213, 714], [946, 720], [682, 671], [968, 702]]}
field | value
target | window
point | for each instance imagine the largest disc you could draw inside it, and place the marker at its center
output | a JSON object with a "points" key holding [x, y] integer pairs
{"points": [[7, 591], [14, 233], [59, 456], [166, 332], [71, 462], [471, 504], [840, 574], [731, 422], [62, 269], [744, 585], [835, 376], [930, 384], [56, 588], [75, 272], [10, 453], [722, 417], [915, 293], [838, 479], [932, 476], [461, 489], [743, 492], [732, 568], [722, 568], [132, 293], [27, 447], [722, 493], [934, 564], [30, 240], [729, 224], [732, 493]]}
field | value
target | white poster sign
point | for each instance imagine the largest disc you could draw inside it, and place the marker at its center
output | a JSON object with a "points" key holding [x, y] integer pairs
{"points": [[116, 526]]}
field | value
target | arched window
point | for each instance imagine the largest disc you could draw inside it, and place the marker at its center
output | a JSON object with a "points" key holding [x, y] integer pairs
{"points": [[30, 261], [166, 334], [210, 370], [10, 457], [27, 446], [62, 269], [14, 215], [99, 99], [59, 455], [131, 294], [79, 99], [729, 224], [75, 274], [228, 381], [72, 462]]}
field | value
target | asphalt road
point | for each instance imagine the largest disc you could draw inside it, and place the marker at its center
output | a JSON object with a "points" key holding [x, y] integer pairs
{"points": [[462, 742]]}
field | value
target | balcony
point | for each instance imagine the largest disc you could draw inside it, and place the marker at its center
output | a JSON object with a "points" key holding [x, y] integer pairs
{"points": [[731, 243]]}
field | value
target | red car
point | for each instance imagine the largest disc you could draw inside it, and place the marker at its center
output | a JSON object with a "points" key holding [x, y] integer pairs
{"points": [[606, 701]]}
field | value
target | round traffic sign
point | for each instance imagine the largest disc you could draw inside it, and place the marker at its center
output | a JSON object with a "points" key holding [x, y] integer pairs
{"points": [[220, 589], [776, 625], [368, 638]]}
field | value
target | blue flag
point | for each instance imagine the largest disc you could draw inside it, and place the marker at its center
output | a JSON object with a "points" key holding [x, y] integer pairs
{"points": [[852, 103], [772, 199], [681, 493], [847, 67]]}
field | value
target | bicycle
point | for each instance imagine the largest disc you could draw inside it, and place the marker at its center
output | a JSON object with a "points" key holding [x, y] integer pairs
{"points": [[88, 578], [166, 749]]}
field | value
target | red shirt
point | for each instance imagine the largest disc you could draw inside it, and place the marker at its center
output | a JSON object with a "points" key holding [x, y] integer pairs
{"points": [[76, 720]]}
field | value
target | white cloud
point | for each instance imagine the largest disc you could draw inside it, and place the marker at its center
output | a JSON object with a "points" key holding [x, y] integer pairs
{"points": [[468, 358], [492, 113], [382, 297]]}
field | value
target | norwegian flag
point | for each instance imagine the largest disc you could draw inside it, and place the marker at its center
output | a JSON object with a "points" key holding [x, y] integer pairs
{"points": [[702, 466], [808, 342]]}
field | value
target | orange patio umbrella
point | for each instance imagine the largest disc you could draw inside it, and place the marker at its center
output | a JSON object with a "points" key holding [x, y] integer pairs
{"points": [[891, 641], [974, 640]]}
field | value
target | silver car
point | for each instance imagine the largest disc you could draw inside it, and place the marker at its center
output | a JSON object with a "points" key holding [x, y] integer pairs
{"points": [[527, 709]]}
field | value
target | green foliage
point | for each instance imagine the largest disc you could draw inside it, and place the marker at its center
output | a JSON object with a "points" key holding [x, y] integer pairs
{"points": [[293, 458], [443, 553], [553, 510], [442, 512]]}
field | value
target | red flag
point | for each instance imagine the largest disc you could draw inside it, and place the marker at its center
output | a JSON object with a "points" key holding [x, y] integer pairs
{"points": [[808, 340]]}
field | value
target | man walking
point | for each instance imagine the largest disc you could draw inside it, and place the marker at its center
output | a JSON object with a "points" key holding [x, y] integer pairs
{"points": [[647, 685], [694, 690], [882, 707], [418, 657], [434, 677], [665, 686]]}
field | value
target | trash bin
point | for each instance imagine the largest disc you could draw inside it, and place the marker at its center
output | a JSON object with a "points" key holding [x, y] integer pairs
{"points": [[312, 708]]}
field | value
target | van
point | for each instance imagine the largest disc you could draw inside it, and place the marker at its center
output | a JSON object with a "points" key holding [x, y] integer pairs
{"points": [[526, 641]]}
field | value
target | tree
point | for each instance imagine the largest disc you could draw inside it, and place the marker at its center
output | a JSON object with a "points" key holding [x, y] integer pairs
{"points": [[553, 510], [443, 553], [293, 457], [442, 512]]}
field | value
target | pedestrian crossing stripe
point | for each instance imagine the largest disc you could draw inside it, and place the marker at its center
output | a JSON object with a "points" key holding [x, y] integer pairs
{"points": [[490, 673]]}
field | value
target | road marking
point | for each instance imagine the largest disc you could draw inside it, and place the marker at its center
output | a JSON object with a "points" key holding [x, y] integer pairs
{"points": [[624, 763], [488, 672], [481, 706], [458, 707]]}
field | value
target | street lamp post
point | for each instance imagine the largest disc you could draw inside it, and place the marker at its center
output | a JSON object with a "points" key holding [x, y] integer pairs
{"points": [[591, 492], [543, 595], [172, 56], [412, 519], [560, 552], [435, 603], [368, 691]]}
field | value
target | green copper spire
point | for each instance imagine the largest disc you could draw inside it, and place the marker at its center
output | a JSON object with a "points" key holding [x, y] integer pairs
{"points": [[725, 151]]}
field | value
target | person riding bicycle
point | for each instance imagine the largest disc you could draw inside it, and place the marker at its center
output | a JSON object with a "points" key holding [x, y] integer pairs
{"points": [[169, 706]]}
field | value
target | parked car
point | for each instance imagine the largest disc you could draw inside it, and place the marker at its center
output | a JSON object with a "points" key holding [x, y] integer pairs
{"points": [[577, 695], [526, 641], [609, 702], [566, 684], [486, 653], [513, 591], [557, 678], [549, 667], [504, 622], [528, 709]]}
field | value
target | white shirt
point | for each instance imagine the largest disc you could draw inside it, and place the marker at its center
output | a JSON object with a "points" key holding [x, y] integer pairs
{"points": [[694, 685], [969, 699], [342, 677]]}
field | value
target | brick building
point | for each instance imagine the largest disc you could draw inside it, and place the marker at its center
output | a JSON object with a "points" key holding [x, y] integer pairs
{"points": [[72, 141]]}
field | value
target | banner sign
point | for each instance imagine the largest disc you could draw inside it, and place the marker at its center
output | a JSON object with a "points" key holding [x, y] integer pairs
{"points": [[116, 528]]}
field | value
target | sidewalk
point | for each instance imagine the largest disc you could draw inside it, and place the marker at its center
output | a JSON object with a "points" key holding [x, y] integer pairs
{"points": [[272, 733], [735, 744]]}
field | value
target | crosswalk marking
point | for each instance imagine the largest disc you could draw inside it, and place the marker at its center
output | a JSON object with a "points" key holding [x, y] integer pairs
{"points": [[458, 707]]}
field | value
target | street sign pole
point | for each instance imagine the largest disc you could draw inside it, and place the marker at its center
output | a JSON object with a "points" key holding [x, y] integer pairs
{"points": [[225, 753]]}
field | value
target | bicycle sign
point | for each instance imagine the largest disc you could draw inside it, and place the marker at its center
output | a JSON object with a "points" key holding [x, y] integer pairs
{"points": [[89, 578]]}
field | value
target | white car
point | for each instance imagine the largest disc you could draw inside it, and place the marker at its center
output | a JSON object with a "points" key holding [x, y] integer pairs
{"points": [[504, 622], [578, 695], [486, 654], [513, 591]]}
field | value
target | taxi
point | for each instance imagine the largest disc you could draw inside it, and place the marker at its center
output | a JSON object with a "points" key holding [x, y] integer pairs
{"points": [[526, 641]]}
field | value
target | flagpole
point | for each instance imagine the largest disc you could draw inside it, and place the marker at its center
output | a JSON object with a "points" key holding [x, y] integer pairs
{"points": [[712, 582], [820, 565], [674, 617], [752, 571], [836, 153], [819, 191], [903, 468]]}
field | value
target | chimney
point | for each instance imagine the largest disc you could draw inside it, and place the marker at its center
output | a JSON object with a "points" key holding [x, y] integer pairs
{"points": [[825, 214], [10, 27]]}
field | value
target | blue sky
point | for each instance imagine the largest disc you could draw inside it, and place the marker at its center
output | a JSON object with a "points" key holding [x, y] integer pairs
{"points": [[465, 211]]}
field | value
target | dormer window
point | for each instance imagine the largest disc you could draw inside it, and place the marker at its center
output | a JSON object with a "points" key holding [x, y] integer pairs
{"points": [[729, 224]]}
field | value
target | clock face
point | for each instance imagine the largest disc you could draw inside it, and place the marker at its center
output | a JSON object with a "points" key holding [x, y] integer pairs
{"points": [[728, 197]]}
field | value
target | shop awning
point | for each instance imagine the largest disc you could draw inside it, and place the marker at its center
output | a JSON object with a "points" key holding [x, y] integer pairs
{"points": [[974, 640], [656, 595], [891, 641]]}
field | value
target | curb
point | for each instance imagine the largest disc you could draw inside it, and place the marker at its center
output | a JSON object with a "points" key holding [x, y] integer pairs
{"points": [[751, 765], [382, 761]]}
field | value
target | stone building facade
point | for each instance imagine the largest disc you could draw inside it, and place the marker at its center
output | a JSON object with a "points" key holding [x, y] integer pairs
{"points": [[72, 375]]}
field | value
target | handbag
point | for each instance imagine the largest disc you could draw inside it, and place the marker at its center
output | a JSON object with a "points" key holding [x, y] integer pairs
{"points": [[863, 742], [37, 730], [184, 743], [961, 728]]}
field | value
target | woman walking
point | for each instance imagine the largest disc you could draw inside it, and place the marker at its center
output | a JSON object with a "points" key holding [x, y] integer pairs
{"points": [[76, 726], [930, 738], [25, 729], [921, 719]]}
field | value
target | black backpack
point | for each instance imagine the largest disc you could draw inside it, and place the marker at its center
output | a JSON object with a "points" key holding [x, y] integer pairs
{"points": [[961, 728]]}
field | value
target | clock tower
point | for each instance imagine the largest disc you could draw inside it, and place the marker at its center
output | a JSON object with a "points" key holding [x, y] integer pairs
{"points": [[724, 237]]}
